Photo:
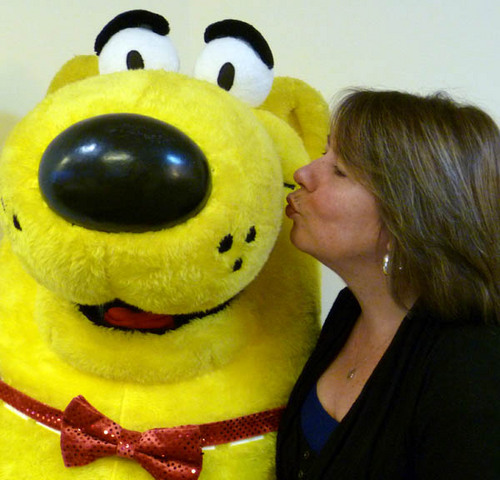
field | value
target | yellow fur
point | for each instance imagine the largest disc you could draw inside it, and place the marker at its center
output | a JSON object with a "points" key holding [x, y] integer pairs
{"points": [[241, 360]]}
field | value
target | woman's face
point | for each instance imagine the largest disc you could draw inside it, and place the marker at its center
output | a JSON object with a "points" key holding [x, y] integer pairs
{"points": [[335, 218]]}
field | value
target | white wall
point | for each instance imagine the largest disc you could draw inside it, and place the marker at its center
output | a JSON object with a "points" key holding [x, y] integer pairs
{"points": [[415, 45]]}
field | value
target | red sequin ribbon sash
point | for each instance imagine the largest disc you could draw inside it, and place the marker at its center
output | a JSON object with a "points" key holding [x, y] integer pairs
{"points": [[166, 453]]}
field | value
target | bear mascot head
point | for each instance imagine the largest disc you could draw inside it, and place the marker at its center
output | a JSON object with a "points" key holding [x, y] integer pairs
{"points": [[153, 314]]}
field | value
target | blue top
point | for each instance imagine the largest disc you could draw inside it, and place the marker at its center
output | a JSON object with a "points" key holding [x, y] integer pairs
{"points": [[317, 424]]}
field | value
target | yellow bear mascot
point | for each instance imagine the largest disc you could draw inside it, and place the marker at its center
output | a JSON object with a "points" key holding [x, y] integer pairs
{"points": [[153, 314]]}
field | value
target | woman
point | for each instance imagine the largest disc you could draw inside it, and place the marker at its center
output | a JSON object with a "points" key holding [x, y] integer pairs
{"points": [[404, 382]]}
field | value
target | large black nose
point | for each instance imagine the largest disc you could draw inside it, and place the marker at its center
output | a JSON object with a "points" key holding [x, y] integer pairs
{"points": [[124, 173]]}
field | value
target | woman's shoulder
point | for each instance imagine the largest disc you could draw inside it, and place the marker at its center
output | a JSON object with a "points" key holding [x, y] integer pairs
{"points": [[465, 357], [466, 343], [449, 362], [460, 339]]}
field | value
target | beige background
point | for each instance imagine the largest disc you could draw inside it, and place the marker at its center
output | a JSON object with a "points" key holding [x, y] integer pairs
{"points": [[415, 45]]}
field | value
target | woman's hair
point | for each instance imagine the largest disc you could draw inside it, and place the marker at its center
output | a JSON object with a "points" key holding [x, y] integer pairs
{"points": [[433, 165]]}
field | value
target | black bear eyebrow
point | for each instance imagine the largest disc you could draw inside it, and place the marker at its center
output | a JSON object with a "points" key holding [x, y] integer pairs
{"points": [[243, 31], [131, 19]]}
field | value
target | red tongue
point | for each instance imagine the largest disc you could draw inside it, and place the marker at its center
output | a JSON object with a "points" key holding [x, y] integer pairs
{"points": [[125, 318]]}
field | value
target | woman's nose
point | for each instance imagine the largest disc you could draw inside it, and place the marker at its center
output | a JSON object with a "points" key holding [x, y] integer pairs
{"points": [[305, 175], [297, 176]]}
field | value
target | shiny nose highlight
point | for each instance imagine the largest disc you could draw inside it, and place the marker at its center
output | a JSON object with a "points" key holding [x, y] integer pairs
{"points": [[124, 173]]}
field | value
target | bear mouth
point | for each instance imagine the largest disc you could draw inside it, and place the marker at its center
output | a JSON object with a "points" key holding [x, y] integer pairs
{"points": [[119, 315]]}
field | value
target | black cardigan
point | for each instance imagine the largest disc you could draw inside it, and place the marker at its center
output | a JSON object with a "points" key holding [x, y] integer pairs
{"points": [[429, 411]]}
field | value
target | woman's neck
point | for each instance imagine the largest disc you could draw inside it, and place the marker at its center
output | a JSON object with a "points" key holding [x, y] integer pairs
{"points": [[381, 314]]}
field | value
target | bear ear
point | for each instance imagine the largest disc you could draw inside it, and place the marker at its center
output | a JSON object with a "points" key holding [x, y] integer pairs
{"points": [[78, 68], [303, 108]]}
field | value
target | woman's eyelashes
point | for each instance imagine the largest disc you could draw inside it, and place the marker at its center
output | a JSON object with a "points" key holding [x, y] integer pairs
{"points": [[338, 171]]}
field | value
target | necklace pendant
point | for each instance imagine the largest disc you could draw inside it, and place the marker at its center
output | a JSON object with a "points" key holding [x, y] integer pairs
{"points": [[351, 374]]}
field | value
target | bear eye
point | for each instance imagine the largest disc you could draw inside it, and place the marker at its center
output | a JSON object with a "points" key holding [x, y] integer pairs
{"points": [[138, 48], [238, 59], [134, 40]]}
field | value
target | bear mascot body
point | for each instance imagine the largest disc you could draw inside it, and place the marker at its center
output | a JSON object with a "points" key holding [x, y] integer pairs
{"points": [[153, 314]]}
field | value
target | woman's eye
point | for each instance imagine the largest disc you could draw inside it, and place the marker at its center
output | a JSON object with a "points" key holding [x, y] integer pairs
{"points": [[338, 172]]}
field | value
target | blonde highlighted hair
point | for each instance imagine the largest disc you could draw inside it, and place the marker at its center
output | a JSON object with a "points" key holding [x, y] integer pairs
{"points": [[433, 165]]}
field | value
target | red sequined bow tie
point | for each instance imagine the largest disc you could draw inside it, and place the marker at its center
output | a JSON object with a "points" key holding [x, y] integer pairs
{"points": [[166, 453]]}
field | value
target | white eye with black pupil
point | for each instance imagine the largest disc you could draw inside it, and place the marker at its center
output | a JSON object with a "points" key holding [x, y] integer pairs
{"points": [[236, 64], [138, 48]]}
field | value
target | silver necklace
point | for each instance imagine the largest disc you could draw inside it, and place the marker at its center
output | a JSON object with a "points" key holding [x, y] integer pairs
{"points": [[352, 372]]}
